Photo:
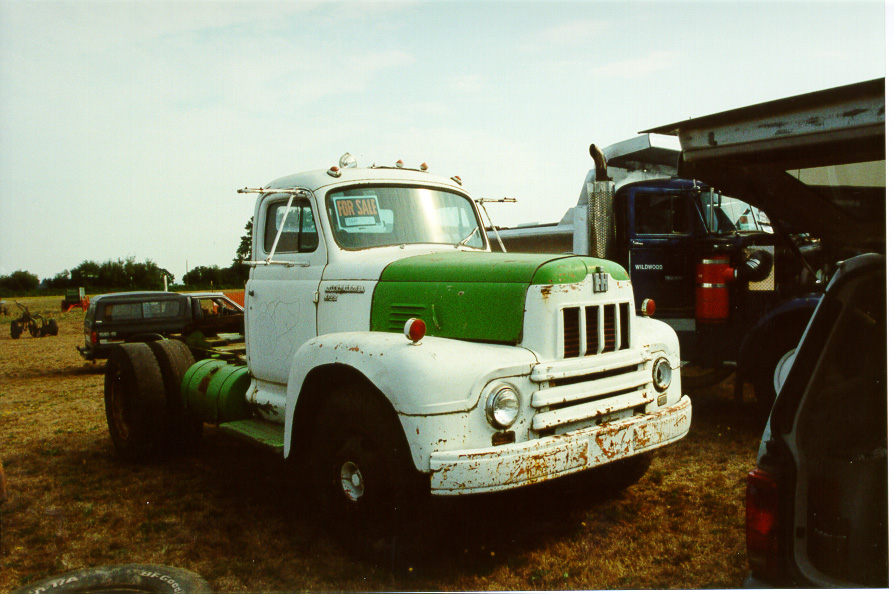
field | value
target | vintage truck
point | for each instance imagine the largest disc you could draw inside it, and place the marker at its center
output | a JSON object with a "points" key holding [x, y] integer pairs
{"points": [[738, 286], [394, 356]]}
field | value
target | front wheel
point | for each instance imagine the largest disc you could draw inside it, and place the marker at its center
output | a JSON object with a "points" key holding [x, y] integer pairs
{"points": [[15, 329], [362, 472]]}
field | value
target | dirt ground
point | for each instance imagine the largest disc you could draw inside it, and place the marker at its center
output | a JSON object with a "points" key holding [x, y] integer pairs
{"points": [[237, 517]]}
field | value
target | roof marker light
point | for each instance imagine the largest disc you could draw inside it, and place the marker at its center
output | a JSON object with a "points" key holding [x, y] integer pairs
{"points": [[334, 171], [414, 330], [399, 164], [347, 161], [423, 167], [457, 179]]}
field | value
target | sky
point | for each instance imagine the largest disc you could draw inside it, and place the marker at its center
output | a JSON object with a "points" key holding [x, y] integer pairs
{"points": [[126, 127]]}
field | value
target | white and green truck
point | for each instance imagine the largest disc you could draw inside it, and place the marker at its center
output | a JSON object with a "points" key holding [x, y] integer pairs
{"points": [[393, 355]]}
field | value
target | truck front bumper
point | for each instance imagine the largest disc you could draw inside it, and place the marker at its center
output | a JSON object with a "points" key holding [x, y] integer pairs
{"points": [[513, 465]]}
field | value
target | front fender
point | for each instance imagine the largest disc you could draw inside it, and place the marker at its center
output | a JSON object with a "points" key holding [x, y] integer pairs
{"points": [[435, 376], [656, 335]]}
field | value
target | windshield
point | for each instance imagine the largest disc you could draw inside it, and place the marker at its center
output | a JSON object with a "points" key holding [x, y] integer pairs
{"points": [[376, 216], [724, 214]]}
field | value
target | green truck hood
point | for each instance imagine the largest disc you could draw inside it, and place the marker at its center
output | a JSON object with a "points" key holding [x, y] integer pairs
{"points": [[472, 295]]}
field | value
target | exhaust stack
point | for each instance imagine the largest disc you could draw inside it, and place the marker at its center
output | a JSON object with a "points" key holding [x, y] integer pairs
{"points": [[600, 219]]}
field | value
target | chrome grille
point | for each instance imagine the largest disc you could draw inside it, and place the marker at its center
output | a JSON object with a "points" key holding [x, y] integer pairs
{"points": [[595, 329]]}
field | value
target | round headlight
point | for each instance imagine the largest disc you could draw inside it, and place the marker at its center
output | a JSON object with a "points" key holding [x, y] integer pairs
{"points": [[502, 407], [661, 374]]}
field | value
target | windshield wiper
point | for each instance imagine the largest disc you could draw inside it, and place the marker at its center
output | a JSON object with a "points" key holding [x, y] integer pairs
{"points": [[468, 237]]}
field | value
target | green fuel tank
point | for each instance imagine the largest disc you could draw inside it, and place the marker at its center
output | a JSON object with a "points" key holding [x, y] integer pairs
{"points": [[214, 391]]}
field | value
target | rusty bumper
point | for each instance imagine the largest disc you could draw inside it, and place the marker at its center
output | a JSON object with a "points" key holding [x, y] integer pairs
{"points": [[513, 465]]}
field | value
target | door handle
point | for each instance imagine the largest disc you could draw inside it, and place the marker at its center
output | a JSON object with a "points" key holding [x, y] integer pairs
{"points": [[636, 243]]}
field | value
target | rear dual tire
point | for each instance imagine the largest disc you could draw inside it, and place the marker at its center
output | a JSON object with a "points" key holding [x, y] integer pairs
{"points": [[144, 411]]}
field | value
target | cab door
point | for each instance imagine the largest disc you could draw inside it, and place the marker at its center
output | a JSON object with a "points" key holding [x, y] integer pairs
{"points": [[281, 309], [661, 243]]}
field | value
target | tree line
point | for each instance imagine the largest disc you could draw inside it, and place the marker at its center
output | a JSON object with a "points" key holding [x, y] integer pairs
{"points": [[130, 275]]}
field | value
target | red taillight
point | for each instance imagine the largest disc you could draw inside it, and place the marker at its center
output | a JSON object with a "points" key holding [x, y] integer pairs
{"points": [[94, 338], [648, 308], [762, 522]]}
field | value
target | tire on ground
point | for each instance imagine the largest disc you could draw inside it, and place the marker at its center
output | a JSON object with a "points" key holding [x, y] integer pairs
{"points": [[362, 471], [184, 433], [135, 401], [52, 328], [15, 329], [155, 579]]}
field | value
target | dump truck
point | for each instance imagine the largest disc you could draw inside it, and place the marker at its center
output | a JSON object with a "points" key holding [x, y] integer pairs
{"points": [[737, 285], [393, 356]]}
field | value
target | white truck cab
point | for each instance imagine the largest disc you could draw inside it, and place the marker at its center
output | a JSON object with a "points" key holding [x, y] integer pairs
{"points": [[395, 355]]}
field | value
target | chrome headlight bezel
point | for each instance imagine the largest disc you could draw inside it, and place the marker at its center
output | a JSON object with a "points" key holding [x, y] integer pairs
{"points": [[503, 406], [662, 374]]}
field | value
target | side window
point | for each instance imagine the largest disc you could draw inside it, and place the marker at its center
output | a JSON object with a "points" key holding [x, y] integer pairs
{"points": [[660, 214], [122, 311], [161, 309], [141, 310], [299, 231]]}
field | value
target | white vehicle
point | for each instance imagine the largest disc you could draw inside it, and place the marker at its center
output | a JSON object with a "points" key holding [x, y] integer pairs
{"points": [[394, 355]]}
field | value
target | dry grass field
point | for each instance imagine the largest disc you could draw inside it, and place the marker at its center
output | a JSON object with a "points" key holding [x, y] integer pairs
{"points": [[235, 515]]}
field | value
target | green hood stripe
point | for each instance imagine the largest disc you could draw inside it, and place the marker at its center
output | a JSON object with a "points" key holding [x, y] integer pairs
{"points": [[472, 295], [498, 268]]}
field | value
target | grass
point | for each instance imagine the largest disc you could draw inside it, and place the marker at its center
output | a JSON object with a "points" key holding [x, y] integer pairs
{"points": [[236, 516]]}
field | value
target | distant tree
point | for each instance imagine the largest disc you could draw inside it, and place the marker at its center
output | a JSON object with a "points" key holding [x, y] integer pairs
{"points": [[59, 282], [237, 273], [124, 275], [205, 277], [243, 252], [19, 281], [85, 274]]}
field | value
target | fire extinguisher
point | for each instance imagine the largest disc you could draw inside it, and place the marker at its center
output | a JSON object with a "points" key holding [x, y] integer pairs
{"points": [[712, 277]]}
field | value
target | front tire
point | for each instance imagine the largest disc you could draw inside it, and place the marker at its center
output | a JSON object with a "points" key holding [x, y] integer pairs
{"points": [[362, 471]]}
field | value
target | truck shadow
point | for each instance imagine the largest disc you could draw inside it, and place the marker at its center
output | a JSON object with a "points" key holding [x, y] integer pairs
{"points": [[453, 535]]}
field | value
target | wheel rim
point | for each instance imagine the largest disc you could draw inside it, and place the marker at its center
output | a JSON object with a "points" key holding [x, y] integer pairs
{"points": [[352, 481], [782, 369]]}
